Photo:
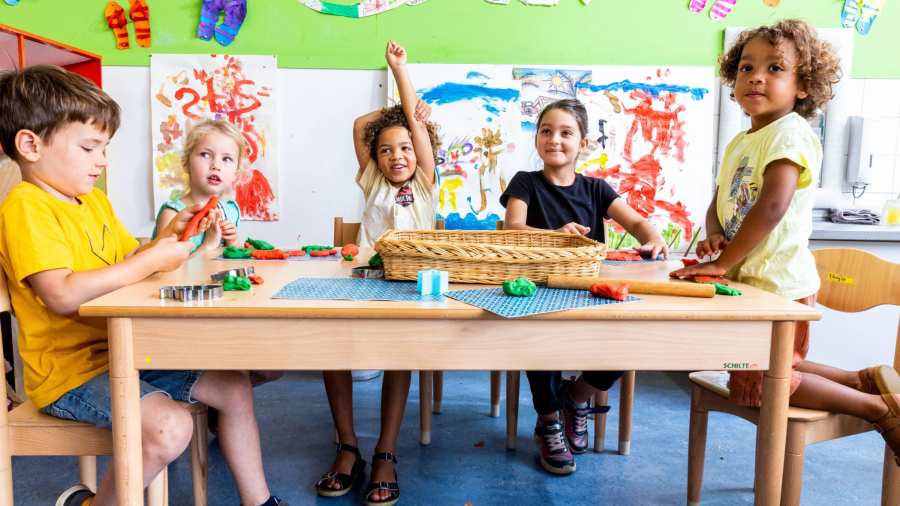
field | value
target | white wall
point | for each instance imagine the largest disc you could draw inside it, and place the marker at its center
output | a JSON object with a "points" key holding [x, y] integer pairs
{"points": [[317, 159]]}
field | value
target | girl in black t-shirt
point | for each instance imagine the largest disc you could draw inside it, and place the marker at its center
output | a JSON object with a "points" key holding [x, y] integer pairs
{"points": [[556, 198]]}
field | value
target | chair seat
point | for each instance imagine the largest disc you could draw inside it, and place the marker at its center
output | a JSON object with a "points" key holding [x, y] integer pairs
{"points": [[32, 432], [717, 382]]}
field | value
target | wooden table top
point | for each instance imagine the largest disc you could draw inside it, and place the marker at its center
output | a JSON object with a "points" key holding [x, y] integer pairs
{"points": [[142, 299]]}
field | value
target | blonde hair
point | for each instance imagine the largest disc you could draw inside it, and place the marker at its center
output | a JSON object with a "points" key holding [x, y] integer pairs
{"points": [[206, 127]]}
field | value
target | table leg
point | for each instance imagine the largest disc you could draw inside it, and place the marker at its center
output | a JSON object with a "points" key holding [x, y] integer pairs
{"points": [[771, 433], [126, 414], [426, 379]]}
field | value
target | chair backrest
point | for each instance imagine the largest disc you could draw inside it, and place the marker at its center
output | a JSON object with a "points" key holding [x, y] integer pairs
{"points": [[855, 280], [344, 233]]}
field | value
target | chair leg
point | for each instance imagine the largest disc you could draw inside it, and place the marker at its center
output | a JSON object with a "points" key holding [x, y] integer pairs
{"points": [[696, 446], [157, 488], [200, 457], [6, 486], [794, 448], [87, 471], [425, 384], [495, 394], [601, 398], [626, 407], [438, 392], [512, 408], [890, 481]]}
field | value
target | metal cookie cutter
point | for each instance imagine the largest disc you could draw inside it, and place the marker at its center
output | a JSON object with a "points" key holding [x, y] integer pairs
{"points": [[188, 293], [368, 272], [241, 272]]}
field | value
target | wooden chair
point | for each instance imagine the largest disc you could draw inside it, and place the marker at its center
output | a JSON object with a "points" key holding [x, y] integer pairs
{"points": [[852, 281], [431, 383], [26, 431]]}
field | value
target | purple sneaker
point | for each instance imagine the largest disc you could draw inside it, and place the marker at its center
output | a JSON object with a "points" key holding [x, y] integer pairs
{"points": [[209, 16], [554, 453], [235, 12], [575, 420]]}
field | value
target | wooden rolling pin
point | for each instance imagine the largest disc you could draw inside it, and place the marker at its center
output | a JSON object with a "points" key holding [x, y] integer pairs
{"points": [[677, 288]]}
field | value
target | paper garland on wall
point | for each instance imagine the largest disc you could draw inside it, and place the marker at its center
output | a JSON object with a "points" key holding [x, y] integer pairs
{"points": [[359, 9], [719, 10], [861, 14], [372, 7]]}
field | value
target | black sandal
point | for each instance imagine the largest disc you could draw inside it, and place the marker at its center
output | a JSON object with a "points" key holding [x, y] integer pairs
{"points": [[392, 488], [346, 480]]}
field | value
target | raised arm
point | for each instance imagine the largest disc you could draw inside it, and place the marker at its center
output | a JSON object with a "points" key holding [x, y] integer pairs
{"points": [[396, 59], [359, 138]]}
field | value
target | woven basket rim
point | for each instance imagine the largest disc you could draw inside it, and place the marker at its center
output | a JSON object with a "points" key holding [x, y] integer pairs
{"points": [[385, 238]]}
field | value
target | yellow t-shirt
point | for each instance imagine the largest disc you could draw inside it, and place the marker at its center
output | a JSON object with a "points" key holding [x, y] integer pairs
{"points": [[782, 263], [39, 232], [409, 206]]}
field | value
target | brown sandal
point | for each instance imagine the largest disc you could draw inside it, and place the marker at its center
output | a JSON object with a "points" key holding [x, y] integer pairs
{"points": [[879, 380], [890, 423]]}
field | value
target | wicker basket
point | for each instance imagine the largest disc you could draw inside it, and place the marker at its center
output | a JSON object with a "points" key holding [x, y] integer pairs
{"points": [[488, 256]]}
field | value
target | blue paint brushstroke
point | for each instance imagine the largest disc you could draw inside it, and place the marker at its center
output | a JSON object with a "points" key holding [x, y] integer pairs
{"points": [[528, 125], [653, 89], [448, 93], [476, 75], [454, 221]]}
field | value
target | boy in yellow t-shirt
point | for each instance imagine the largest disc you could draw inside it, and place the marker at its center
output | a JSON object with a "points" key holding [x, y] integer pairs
{"points": [[61, 245]]}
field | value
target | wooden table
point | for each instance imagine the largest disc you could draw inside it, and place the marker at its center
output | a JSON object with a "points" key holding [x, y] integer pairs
{"points": [[250, 330]]}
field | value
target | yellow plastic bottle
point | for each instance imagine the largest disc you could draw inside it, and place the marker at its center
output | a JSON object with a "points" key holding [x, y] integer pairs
{"points": [[891, 212]]}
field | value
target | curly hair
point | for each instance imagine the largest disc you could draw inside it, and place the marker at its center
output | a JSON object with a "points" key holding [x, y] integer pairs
{"points": [[818, 67], [394, 117]]}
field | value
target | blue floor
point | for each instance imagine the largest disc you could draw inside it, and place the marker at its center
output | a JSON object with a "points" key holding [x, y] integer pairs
{"points": [[456, 469]]}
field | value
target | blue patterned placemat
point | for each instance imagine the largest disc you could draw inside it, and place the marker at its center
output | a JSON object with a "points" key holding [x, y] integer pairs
{"points": [[545, 300], [352, 289]]}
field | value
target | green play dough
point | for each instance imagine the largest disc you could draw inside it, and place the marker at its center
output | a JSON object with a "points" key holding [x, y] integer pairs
{"points": [[376, 260], [236, 283], [260, 244], [315, 247], [726, 290], [235, 252], [521, 287]]}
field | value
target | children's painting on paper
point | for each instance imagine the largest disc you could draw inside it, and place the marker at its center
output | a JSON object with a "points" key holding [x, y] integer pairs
{"points": [[650, 136], [186, 89]]}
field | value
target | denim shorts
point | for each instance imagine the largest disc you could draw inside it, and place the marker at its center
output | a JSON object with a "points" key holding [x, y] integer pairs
{"points": [[90, 402]]}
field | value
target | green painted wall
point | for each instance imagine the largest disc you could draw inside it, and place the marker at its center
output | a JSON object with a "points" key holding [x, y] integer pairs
{"points": [[615, 32]]}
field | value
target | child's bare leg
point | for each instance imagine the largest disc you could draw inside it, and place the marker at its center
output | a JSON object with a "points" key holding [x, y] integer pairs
{"points": [[842, 376], [817, 392], [339, 388], [166, 430], [231, 394], [394, 392]]}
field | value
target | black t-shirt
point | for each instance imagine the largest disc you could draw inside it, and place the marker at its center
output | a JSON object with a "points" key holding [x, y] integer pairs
{"points": [[585, 202]]}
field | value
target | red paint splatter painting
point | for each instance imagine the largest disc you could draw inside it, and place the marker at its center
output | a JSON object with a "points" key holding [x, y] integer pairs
{"points": [[240, 89]]}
